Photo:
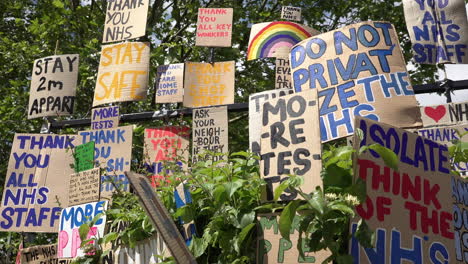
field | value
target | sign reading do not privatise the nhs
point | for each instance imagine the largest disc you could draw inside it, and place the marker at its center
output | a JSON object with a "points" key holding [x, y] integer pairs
{"points": [[358, 70]]}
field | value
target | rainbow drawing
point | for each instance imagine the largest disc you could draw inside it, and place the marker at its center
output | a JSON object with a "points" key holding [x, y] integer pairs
{"points": [[275, 37]]}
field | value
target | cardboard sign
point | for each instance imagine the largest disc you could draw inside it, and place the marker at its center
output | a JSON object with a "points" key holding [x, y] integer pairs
{"points": [[359, 70], [275, 39], [182, 197], [165, 144], [71, 219], [255, 114], [208, 84], [170, 83], [84, 156], [53, 86], [409, 209], [290, 143], [39, 254], [84, 187], [446, 114], [214, 27], [113, 151], [438, 30], [37, 177], [445, 135], [273, 248], [105, 117], [282, 74], [160, 218], [125, 20], [459, 189], [122, 73], [210, 132], [291, 13]]}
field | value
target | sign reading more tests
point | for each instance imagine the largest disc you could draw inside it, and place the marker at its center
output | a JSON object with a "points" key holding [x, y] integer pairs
{"points": [[358, 70], [53, 86], [125, 20], [290, 142], [214, 27], [123, 73], [105, 117]]}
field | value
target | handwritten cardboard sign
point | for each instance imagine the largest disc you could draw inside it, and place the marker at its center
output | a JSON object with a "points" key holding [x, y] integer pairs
{"points": [[160, 218], [162, 145], [256, 101], [275, 39], [53, 86], [37, 177], [123, 73], [182, 197], [291, 13], [214, 27], [409, 209], [459, 187], [358, 70], [105, 117], [84, 187], [113, 151], [170, 83], [282, 74], [208, 84], [438, 30], [290, 143], [210, 133], [84, 156], [71, 219], [125, 20], [273, 248], [445, 114], [39, 254]]}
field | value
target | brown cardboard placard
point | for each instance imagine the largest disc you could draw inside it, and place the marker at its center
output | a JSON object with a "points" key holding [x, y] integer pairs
{"points": [[169, 83], [275, 39], [123, 73], [125, 20], [209, 132], [39, 254], [444, 114], [105, 117], [53, 86], [214, 27], [162, 145], [84, 187], [282, 74], [208, 84], [438, 30], [273, 248], [357, 70], [291, 13], [290, 143], [409, 209], [113, 151], [37, 180], [256, 101], [459, 187], [446, 135], [160, 218]]}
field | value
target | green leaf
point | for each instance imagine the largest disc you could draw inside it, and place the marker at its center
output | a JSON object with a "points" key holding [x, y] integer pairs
{"points": [[388, 156], [83, 230], [244, 234], [317, 202], [336, 176], [247, 219], [364, 234], [287, 218], [280, 189]]}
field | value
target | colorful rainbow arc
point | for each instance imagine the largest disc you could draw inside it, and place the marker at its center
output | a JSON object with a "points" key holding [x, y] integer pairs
{"points": [[274, 36]]}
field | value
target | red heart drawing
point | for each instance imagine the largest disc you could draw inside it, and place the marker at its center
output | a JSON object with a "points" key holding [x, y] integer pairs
{"points": [[435, 113]]}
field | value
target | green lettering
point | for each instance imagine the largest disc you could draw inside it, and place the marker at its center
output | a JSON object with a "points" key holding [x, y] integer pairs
{"points": [[284, 245]]}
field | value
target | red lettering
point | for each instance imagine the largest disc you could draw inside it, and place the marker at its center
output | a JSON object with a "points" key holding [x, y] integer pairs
{"points": [[408, 188], [366, 214], [430, 194], [382, 210]]}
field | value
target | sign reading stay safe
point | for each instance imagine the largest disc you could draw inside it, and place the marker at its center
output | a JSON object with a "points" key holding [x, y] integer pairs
{"points": [[123, 73], [53, 86], [358, 70]]}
